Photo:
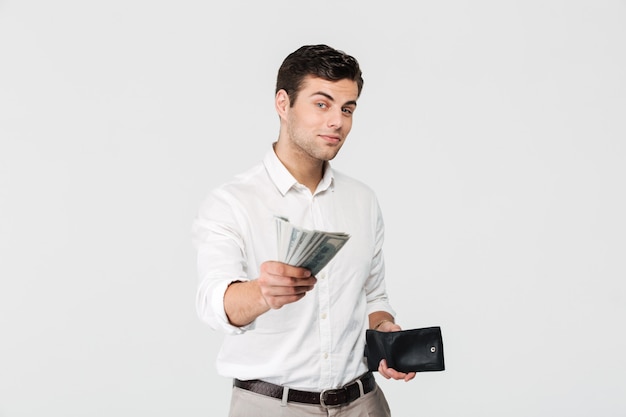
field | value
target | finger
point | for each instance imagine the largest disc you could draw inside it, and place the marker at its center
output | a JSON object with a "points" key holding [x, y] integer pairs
{"points": [[282, 269], [282, 291], [382, 369], [280, 282], [391, 373], [409, 376], [276, 302], [284, 288]]}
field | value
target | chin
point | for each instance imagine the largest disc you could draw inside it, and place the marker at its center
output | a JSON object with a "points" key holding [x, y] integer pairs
{"points": [[328, 157]]}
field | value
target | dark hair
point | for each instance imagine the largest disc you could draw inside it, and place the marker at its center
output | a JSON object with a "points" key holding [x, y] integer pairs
{"points": [[319, 61]]}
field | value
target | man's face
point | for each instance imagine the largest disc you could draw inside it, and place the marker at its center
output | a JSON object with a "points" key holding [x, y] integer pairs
{"points": [[321, 118]]}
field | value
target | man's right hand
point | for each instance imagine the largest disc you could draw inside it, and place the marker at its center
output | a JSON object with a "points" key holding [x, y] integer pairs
{"points": [[282, 284], [278, 284]]}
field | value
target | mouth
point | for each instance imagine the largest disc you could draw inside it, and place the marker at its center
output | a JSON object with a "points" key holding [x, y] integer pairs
{"points": [[332, 139]]}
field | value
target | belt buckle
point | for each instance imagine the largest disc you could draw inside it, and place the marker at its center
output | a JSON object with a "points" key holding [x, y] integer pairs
{"points": [[324, 393]]}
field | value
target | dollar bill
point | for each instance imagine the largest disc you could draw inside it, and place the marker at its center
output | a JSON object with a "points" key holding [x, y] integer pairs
{"points": [[311, 249]]}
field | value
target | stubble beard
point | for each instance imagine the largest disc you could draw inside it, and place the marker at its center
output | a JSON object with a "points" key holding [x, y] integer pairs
{"points": [[310, 146]]}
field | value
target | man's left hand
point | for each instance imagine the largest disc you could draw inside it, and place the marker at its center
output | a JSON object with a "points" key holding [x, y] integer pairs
{"points": [[390, 373], [383, 369]]}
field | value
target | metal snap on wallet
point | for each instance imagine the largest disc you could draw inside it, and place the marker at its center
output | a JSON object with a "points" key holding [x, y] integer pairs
{"points": [[414, 350]]}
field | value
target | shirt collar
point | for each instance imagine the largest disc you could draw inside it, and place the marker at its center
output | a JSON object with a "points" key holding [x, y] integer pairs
{"points": [[283, 179]]}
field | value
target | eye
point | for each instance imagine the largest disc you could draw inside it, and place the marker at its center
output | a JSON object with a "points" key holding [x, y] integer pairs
{"points": [[321, 105], [347, 111]]}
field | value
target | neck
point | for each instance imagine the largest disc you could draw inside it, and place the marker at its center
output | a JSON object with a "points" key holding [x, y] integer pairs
{"points": [[306, 170]]}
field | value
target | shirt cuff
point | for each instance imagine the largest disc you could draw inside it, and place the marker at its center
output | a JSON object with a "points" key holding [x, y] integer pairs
{"points": [[215, 314]]}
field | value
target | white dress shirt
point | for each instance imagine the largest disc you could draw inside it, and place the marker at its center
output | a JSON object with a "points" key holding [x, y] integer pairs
{"points": [[317, 342]]}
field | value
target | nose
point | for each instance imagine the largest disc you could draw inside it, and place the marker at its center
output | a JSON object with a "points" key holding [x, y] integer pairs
{"points": [[335, 119]]}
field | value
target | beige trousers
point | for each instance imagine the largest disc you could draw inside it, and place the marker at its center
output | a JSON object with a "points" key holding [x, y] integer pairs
{"points": [[249, 404]]}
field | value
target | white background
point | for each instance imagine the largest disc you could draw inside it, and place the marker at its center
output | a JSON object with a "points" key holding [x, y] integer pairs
{"points": [[493, 132]]}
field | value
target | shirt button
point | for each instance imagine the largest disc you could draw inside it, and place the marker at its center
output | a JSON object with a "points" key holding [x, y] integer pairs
{"points": [[323, 316], [325, 355], [322, 275]]}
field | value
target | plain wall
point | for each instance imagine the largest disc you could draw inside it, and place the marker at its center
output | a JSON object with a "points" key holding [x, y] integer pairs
{"points": [[493, 132]]}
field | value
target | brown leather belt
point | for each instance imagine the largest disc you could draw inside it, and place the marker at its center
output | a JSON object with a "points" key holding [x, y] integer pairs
{"points": [[327, 398]]}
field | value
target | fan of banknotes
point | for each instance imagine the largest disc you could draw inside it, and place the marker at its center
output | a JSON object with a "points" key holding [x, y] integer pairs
{"points": [[311, 249]]}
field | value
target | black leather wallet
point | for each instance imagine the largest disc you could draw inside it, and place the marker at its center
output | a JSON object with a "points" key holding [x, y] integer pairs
{"points": [[414, 350]]}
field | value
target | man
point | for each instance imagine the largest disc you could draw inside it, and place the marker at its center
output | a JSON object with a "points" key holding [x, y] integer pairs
{"points": [[294, 342]]}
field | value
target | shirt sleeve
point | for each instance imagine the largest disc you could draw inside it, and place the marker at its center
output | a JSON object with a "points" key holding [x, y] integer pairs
{"points": [[375, 289], [220, 259]]}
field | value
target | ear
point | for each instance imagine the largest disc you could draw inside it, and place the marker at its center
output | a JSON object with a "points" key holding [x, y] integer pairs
{"points": [[281, 102]]}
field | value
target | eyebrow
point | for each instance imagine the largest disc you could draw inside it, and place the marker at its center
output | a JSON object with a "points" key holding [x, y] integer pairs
{"points": [[331, 98]]}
